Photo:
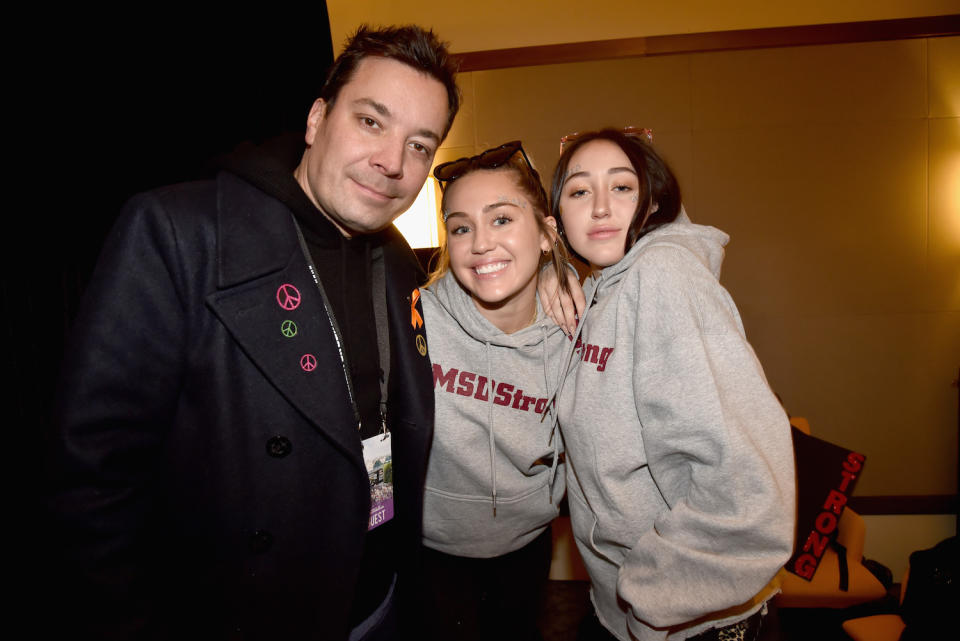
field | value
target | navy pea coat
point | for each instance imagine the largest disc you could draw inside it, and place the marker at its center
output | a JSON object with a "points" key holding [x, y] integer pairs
{"points": [[208, 479]]}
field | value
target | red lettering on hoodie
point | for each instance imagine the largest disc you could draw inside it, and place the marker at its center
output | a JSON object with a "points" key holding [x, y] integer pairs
{"points": [[482, 389], [604, 355], [444, 379], [473, 385], [466, 383], [503, 394], [591, 353]]}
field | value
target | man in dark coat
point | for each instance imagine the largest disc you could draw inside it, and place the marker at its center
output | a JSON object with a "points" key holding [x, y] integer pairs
{"points": [[246, 408]]}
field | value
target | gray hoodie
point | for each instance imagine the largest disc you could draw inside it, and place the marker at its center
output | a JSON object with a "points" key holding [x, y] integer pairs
{"points": [[679, 456], [492, 481]]}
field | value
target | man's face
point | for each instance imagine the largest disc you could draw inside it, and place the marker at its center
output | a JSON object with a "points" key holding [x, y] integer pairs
{"points": [[368, 155]]}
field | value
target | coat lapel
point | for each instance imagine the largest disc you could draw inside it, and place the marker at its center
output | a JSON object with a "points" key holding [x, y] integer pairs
{"points": [[269, 303]]}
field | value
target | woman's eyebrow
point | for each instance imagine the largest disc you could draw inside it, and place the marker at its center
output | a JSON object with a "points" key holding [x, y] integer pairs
{"points": [[613, 170], [498, 204], [575, 174], [453, 214]]}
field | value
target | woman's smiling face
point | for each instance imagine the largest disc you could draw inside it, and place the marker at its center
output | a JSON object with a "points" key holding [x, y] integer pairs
{"points": [[598, 202], [493, 240]]}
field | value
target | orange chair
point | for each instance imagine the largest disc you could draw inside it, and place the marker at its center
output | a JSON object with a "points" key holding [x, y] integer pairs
{"points": [[823, 591]]}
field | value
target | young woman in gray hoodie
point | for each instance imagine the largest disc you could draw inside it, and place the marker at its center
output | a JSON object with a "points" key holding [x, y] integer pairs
{"points": [[494, 477], [679, 458]]}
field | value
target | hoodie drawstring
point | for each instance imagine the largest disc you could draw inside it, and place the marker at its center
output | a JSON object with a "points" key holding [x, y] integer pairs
{"points": [[490, 431], [565, 371], [551, 408], [554, 421]]}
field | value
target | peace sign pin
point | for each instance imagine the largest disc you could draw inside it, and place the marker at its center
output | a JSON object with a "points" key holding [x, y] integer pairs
{"points": [[288, 296], [308, 362]]}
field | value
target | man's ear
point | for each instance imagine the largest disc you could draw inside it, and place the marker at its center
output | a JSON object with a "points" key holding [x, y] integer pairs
{"points": [[317, 113]]}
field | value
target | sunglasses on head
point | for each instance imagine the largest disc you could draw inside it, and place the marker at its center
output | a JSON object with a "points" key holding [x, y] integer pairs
{"points": [[643, 134], [447, 172]]}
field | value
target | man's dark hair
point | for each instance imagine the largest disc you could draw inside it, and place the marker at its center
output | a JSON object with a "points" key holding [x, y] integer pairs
{"points": [[658, 185], [409, 44]]}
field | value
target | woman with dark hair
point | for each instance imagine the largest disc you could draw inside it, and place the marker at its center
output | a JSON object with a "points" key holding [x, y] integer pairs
{"points": [[494, 478], [680, 464]]}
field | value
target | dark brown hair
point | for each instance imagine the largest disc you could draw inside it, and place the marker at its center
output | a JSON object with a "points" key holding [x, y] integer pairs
{"points": [[528, 179], [412, 45], [658, 185]]}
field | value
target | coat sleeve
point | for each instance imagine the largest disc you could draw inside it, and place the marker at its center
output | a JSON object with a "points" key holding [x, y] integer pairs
{"points": [[718, 447], [118, 391]]}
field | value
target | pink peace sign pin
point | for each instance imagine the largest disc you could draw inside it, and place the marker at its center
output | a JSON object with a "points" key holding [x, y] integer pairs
{"points": [[288, 296], [308, 362]]}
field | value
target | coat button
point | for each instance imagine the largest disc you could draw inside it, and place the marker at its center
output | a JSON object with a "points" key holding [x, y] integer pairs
{"points": [[260, 541], [279, 446]]}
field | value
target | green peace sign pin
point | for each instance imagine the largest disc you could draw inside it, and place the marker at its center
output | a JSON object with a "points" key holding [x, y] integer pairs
{"points": [[288, 328]]}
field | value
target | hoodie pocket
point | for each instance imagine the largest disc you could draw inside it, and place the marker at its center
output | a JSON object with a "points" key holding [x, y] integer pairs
{"points": [[465, 525], [585, 524]]}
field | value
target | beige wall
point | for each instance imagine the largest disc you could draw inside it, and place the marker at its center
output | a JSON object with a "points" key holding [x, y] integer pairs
{"points": [[498, 24], [891, 538], [836, 170]]}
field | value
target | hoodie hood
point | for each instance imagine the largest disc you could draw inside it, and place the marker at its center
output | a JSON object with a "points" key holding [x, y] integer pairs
{"points": [[269, 167], [703, 241], [456, 301]]}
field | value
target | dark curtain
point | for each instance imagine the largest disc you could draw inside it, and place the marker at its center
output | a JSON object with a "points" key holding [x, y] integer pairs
{"points": [[117, 104]]}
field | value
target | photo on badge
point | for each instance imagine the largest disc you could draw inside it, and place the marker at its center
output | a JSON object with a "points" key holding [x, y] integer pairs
{"points": [[379, 462]]}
